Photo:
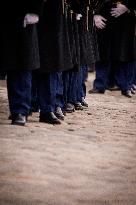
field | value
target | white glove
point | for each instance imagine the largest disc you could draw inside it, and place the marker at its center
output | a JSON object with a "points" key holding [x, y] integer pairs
{"points": [[30, 19], [78, 16], [119, 10], [99, 21]]}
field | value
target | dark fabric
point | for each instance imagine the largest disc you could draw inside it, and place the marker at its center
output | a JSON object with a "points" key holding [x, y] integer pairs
{"points": [[70, 83], [99, 6], [102, 76], [124, 75], [54, 39], [116, 40], [72, 30], [88, 45], [19, 91], [12, 11], [80, 85], [111, 81], [131, 4], [19, 46], [87, 35], [2, 75], [84, 76], [34, 92], [134, 79], [59, 91], [74, 41], [65, 77], [49, 87]]}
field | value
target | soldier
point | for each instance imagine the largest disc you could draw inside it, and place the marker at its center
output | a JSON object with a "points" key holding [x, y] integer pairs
{"points": [[55, 57], [115, 24], [75, 83], [19, 53], [70, 77], [88, 46]]}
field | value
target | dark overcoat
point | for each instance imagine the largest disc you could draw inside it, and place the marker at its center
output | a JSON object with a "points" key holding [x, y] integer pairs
{"points": [[87, 35], [18, 45], [55, 38], [116, 40]]}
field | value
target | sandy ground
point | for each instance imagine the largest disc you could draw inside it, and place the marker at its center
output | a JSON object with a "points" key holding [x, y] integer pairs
{"points": [[88, 160]]}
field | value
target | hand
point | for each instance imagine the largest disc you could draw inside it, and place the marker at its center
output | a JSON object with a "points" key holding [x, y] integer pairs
{"points": [[119, 10], [78, 16], [99, 21], [30, 19]]}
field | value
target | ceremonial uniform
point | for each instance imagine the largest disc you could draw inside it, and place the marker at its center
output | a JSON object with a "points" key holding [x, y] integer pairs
{"points": [[57, 55], [19, 54], [116, 46], [75, 83]]}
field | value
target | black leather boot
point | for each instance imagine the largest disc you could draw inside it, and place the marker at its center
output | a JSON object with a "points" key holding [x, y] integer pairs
{"points": [[127, 93], [59, 114], [49, 117], [69, 108], [18, 119], [78, 106]]}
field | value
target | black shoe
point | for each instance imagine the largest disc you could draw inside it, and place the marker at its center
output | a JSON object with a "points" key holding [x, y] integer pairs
{"points": [[84, 103], [9, 117], [49, 117], [78, 106], [95, 91], [113, 88], [69, 108], [59, 114], [18, 119], [133, 91], [134, 87], [127, 93], [35, 108], [64, 113]]}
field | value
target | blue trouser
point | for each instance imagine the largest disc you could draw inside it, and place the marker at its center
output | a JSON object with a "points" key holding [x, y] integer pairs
{"points": [[84, 79], [59, 91], [34, 97], [111, 78], [101, 79], [70, 83], [81, 86], [74, 85], [50, 88], [19, 91], [134, 79], [123, 75]]}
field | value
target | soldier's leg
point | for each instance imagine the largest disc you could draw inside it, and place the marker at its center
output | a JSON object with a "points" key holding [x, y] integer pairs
{"points": [[19, 95]]}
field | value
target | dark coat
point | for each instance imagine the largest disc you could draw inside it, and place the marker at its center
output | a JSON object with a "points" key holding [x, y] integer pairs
{"points": [[19, 45], [87, 36], [116, 40], [56, 38], [74, 38]]}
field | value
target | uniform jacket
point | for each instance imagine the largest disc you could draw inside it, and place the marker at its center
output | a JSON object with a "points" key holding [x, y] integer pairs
{"points": [[19, 45], [116, 40], [55, 32], [87, 35]]}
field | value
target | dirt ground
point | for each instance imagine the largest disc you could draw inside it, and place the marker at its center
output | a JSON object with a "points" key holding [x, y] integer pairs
{"points": [[88, 160]]}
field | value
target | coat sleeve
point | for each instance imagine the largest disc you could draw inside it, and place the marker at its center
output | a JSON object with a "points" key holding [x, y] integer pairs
{"points": [[75, 5], [34, 6], [78, 5], [131, 4]]}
